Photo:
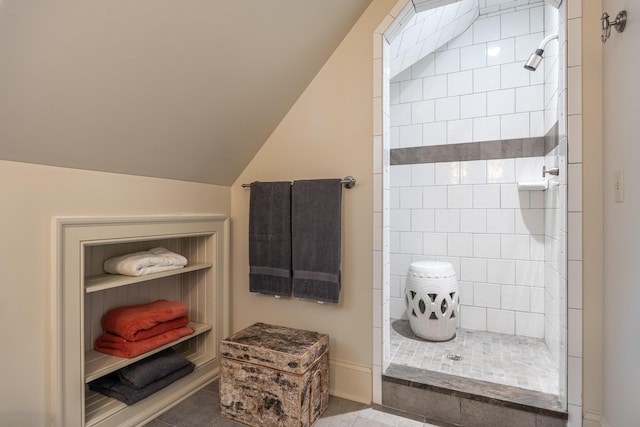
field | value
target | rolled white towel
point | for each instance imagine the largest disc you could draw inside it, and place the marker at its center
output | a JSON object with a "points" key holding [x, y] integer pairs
{"points": [[145, 262]]}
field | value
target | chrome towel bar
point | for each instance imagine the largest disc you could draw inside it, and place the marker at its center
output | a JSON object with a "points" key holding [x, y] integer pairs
{"points": [[347, 181]]}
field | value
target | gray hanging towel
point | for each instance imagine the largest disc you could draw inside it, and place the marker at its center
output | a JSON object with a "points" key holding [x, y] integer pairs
{"points": [[316, 239], [270, 238]]}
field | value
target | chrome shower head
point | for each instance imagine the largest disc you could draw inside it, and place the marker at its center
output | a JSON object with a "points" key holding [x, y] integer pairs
{"points": [[534, 60], [536, 57]]}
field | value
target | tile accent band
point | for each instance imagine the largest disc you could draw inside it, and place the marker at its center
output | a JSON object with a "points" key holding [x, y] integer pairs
{"points": [[485, 150]]}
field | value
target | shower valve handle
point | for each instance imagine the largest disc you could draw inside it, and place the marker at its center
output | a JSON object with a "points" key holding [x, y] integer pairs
{"points": [[551, 171]]}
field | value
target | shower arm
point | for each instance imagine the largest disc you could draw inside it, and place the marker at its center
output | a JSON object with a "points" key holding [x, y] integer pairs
{"points": [[546, 40]]}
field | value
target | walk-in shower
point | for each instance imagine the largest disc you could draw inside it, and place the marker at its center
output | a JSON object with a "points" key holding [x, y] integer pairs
{"points": [[470, 132]]}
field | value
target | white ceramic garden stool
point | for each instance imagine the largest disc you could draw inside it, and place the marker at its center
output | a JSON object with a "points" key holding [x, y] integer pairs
{"points": [[432, 301]]}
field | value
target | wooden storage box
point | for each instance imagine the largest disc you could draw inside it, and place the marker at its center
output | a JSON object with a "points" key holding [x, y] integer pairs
{"points": [[274, 376]]}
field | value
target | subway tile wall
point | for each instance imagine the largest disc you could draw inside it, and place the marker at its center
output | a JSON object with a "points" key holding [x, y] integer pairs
{"points": [[474, 88], [555, 274], [471, 214]]}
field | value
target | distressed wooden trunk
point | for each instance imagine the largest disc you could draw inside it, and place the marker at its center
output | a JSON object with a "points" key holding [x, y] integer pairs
{"points": [[274, 376]]}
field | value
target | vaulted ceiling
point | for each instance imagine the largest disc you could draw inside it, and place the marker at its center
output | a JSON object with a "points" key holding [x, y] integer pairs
{"points": [[186, 90]]}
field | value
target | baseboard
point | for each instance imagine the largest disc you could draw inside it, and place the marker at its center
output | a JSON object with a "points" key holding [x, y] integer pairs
{"points": [[593, 419], [350, 381]]}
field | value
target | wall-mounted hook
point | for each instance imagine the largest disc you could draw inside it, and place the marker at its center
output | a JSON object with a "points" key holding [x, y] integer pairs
{"points": [[618, 24], [551, 171]]}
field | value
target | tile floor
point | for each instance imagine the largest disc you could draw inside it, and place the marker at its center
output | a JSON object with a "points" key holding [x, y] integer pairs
{"points": [[499, 358], [202, 409]]}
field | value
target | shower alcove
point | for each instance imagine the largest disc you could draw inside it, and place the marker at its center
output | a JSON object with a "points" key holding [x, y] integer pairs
{"points": [[83, 293], [462, 124]]}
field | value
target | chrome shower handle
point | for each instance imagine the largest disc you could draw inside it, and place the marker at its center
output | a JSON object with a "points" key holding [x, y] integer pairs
{"points": [[551, 171]]}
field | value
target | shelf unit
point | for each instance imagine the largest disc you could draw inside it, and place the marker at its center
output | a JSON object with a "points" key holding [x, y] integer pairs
{"points": [[84, 293]]}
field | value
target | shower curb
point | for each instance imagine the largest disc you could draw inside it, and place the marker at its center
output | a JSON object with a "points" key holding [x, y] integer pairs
{"points": [[459, 401]]}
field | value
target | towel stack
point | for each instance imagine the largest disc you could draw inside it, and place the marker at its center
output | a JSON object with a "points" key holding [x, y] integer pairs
{"points": [[143, 378], [155, 260], [136, 329]]}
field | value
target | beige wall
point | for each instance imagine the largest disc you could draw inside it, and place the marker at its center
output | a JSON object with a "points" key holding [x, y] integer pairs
{"points": [[327, 134], [30, 195], [592, 214], [621, 291]]}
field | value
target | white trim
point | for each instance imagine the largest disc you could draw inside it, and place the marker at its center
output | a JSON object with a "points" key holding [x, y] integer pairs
{"points": [[594, 419], [350, 381]]}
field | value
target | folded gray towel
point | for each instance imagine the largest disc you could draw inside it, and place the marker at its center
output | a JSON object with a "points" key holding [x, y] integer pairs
{"points": [[316, 239], [270, 238], [152, 368], [110, 385]]}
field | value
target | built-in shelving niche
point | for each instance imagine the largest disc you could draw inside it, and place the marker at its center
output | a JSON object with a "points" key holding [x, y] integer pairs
{"points": [[83, 293]]}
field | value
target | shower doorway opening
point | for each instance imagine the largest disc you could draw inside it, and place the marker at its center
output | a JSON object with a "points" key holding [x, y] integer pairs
{"points": [[465, 133]]}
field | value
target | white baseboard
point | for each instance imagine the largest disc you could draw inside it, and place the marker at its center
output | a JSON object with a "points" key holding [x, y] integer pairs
{"points": [[350, 381], [594, 419]]}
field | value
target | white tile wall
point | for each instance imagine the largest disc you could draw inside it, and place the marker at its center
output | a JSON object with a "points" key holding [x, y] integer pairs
{"points": [[501, 321], [425, 32], [475, 85], [470, 213]]}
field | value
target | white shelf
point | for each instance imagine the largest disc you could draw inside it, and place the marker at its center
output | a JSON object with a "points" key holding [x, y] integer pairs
{"points": [[108, 281], [98, 364], [101, 410], [533, 185]]}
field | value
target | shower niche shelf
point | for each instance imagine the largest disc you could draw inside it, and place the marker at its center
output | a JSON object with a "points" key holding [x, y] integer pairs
{"points": [[533, 185], [84, 293]]}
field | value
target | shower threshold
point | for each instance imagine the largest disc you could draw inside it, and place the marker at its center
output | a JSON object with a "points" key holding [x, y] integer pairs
{"points": [[489, 369], [397, 377]]}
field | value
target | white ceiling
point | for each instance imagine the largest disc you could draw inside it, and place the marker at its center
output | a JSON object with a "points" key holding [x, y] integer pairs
{"points": [[185, 90]]}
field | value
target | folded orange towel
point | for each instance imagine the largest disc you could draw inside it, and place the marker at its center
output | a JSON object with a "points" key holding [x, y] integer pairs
{"points": [[118, 346], [160, 328], [130, 321]]}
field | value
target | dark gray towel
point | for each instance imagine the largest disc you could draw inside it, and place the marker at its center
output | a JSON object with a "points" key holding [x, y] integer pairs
{"points": [[152, 368], [270, 238], [110, 385], [316, 239]]}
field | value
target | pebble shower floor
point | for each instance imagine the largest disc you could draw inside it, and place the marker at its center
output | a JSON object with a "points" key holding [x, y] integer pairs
{"points": [[498, 358]]}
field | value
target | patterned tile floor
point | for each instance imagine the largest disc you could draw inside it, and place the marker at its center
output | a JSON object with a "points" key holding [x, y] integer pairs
{"points": [[202, 409], [499, 358]]}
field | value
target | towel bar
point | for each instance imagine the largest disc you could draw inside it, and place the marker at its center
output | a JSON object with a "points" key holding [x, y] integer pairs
{"points": [[278, 297], [347, 181]]}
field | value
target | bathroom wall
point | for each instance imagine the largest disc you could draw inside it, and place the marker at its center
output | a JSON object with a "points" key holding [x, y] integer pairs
{"points": [[470, 213], [36, 194], [327, 133]]}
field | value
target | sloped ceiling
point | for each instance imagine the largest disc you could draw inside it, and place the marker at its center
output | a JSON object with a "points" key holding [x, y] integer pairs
{"points": [[186, 90]]}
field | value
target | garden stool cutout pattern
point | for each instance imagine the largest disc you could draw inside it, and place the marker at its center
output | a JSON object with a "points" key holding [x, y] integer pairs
{"points": [[432, 300]]}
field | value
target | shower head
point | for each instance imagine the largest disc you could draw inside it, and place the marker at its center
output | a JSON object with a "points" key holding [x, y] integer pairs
{"points": [[536, 57], [534, 60]]}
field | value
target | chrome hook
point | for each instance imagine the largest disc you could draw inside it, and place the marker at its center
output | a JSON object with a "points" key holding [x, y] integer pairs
{"points": [[618, 24]]}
